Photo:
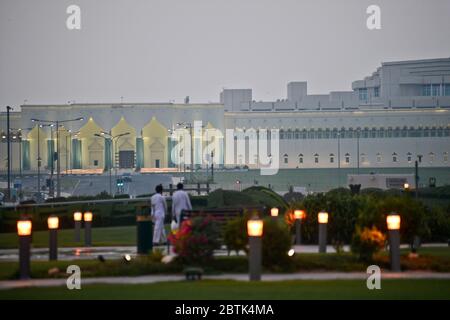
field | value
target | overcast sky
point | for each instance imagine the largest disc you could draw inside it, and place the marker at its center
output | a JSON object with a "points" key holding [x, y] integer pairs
{"points": [[161, 50]]}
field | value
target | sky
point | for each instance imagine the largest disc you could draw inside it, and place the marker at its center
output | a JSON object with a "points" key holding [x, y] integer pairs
{"points": [[164, 50]]}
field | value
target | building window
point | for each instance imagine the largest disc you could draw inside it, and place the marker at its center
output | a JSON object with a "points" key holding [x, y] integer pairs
{"points": [[381, 133], [363, 158], [331, 158], [409, 157], [281, 134], [363, 94], [376, 92], [347, 158], [379, 158], [433, 90], [286, 159], [447, 89], [96, 163], [316, 158], [394, 157], [432, 157], [445, 156], [300, 158]]}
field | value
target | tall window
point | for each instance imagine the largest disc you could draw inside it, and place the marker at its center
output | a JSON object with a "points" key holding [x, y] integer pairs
{"points": [[347, 158], [316, 158], [331, 158], [432, 157], [286, 159], [446, 156], [376, 92], [300, 158], [394, 157], [409, 157], [447, 89], [379, 157], [363, 94], [363, 158]]}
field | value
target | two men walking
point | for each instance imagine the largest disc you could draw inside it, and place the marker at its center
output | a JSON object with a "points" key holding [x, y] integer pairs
{"points": [[180, 202]]}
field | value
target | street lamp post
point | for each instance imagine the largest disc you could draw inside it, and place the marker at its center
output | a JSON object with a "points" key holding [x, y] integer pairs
{"points": [[77, 217], [114, 141], [58, 165], [8, 142], [339, 158], [358, 132]]}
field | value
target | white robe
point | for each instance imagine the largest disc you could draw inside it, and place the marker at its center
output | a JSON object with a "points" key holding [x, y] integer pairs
{"points": [[180, 202], [159, 209]]}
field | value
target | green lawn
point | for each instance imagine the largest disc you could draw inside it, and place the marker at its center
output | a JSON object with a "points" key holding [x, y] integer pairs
{"points": [[215, 289], [108, 236], [111, 236]]}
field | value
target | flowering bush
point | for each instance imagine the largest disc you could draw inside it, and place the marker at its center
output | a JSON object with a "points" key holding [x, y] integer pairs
{"points": [[367, 242], [196, 240]]}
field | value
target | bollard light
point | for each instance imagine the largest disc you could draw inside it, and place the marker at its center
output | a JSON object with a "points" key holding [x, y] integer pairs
{"points": [[88, 216], [53, 222], [88, 228], [322, 218], [406, 186], [299, 215], [24, 229], [77, 217], [274, 212], [255, 232], [53, 225], [255, 227], [393, 221]]}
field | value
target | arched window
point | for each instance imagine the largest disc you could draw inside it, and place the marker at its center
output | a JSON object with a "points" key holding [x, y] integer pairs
{"points": [[331, 158], [286, 158], [394, 157], [347, 158], [363, 158], [379, 157], [409, 157], [432, 157], [446, 156], [300, 158], [289, 134], [316, 158], [281, 134]]}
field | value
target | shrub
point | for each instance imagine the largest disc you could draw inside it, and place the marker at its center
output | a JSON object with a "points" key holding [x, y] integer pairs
{"points": [[276, 244], [367, 242], [196, 240], [235, 236]]}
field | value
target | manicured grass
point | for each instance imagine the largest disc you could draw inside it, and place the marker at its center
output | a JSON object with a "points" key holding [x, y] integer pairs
{"points": [[233, 290]]}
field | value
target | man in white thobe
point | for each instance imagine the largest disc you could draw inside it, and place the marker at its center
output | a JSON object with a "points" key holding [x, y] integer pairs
{"points": [[159, 209], [180, 202]]}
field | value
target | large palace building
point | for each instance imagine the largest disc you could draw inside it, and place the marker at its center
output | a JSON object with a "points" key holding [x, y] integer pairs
{"points": [[399, 114]]}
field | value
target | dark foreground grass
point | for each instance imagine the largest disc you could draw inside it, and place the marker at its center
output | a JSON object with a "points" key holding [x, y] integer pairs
{"points": [[233, 290]]}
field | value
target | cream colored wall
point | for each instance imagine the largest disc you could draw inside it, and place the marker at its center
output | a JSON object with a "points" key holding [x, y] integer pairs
{"points": [[91, 146], [125, 143], [155, 135]]}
